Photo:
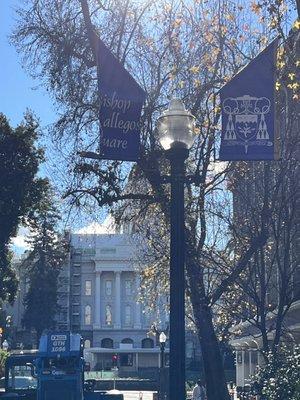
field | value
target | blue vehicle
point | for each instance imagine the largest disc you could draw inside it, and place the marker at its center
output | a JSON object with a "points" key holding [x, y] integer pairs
{"points": [[56, 372], [60, 367], [20, 379]]}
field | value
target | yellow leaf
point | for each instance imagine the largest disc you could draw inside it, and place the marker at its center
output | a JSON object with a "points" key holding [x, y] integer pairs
{"points": [[281, 64], [297, 24], [293, 86], [255, 7], [177, 22], [223, 30], [229, 17], [292, 76], [273, 22], [194, 69], [264, 40]]}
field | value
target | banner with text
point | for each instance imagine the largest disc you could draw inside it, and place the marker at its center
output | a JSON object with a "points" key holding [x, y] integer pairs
{"points": [[248, 115], [121, 101]]}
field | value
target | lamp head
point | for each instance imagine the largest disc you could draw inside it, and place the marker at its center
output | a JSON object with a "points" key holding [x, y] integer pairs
{"points": [[5, 345], [176, 126], [162, 337]]}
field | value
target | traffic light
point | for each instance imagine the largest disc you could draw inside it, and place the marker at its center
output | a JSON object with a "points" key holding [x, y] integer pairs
{"points": [[115, 360]]}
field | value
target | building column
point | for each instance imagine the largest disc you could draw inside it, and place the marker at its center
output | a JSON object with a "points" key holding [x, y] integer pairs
{"points": [[137, 309], [97, 315], [136, 361], [251, 371], [244, 367], [240, 367], [247, 366], [259, 359], [117, 323]]}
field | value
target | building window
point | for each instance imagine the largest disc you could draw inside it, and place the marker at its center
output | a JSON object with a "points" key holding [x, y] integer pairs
{"points": [[128, 288], [107, 343], [88, 315], [239, 357], [87, 344], [108, 315], [127, 341], [147, 343], [108, 288], [88, 288], [108, 250], [127, 315]]}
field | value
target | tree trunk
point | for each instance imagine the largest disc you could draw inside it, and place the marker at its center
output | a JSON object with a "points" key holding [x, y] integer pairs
{"points": [[216, 386], [211, 355], [212, 359]]}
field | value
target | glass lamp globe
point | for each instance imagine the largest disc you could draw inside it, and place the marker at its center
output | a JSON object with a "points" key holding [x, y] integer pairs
{"points": [[162, 337], [176, 126], [5, 345]]}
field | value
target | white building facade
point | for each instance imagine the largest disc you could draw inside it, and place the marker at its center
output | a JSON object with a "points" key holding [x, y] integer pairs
{"points": [[104, 287], [98, 292], [248, 343]]}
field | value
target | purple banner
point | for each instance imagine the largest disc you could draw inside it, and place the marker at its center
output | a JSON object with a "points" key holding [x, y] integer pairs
{"points": [[248, 115], [121, 101]]}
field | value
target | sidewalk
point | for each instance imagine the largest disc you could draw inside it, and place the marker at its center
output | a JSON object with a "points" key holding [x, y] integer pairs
{"points": [[137, 395]]}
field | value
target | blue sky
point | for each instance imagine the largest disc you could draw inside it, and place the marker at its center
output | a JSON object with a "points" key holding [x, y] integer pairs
{"points": [[18, 90]]}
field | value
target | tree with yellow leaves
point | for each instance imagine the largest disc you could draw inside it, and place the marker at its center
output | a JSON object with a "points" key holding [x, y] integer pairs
{"points": [[183, 48]]}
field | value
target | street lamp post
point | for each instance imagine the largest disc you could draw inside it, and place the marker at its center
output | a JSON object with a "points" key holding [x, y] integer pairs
{"points": [[162, 371], [176, 129], [162, 342]]}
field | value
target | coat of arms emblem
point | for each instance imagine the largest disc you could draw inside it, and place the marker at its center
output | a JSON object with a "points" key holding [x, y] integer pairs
{"points": [[245, 123]]}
